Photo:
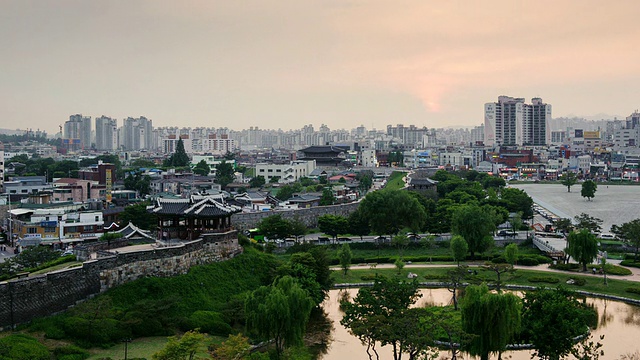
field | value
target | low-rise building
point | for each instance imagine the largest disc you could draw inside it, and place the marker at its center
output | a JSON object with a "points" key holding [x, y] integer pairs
{"points": [[286, 173]]}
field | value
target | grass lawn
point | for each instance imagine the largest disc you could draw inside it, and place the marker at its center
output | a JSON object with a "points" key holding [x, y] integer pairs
{"points": [[143, 348], [57, 267], [395, 181], [594, 283]]}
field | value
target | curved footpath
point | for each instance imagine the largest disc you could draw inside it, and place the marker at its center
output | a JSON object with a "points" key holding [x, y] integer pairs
{"points": [[635, 272]]}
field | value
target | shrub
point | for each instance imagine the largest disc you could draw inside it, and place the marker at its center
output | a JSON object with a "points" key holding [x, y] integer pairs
{"points": [[566, 267], [210, 322], [633, 290], [22, 347], [579, 281], [544, 279], [630, 263], [70, 352], [527, 261], [368, 277]]}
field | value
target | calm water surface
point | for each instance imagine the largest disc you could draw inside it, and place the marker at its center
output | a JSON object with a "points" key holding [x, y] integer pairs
{"points": [[619, 322]]}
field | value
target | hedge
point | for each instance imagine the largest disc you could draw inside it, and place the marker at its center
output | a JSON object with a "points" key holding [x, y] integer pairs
{"points": [[544, 279]]}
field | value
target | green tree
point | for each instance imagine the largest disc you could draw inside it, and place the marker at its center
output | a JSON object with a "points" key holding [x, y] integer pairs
{"points": [[257, 182], [474, 225], [298, 228], [372, 316], [327, 197], [181, 348], [585, 221], [224, 174], [400, 242], [358, 224], [142, 163], [589, 188], [287, 191], [518, 201], [493, 319], [552, 319], [459, 248], [274, 227], [494, 182], [235, 347], [389, 211], [583, 247], [333, 225], [138, 215], [563, 225], [279, 312], [137, 181], [630, 233], [202, 168], [179, 158], [568, 179], [511, 254], [345, 255]]}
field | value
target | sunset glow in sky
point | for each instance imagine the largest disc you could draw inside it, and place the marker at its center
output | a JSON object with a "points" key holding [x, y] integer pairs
{"points": [[286, 63]]}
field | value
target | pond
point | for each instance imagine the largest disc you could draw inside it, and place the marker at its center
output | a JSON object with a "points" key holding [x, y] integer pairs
{"points": [[618, 322]]}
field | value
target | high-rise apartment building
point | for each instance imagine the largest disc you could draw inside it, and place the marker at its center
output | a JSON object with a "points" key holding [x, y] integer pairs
{"points": [[136, 133], [77, 132], [106, 133], [512, 122]]}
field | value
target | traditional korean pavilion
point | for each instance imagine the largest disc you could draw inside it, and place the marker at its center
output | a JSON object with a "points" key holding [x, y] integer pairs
{"points": [[324, 155], [189, 219]]}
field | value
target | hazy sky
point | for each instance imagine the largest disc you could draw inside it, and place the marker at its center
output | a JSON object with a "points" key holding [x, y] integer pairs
{"points": [[286, 63]]}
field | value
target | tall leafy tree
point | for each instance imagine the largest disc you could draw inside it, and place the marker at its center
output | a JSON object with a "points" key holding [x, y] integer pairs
{"points": [[552, 319], [274, 227], [138, 182], [630, 233], [333, 225], [184, 347], [224, 174], [279, 312], [298, 228], [202, 168], [583, 247], [511, 254], [588, 222], [138, 215], [376, 314], [389, 211], [459, 248], [474, 225], [327, 197], [568, 179], [179, 158], [358, 224], [344, 256], [257, 182], [589, 188], [518, 201], [494, 319]]}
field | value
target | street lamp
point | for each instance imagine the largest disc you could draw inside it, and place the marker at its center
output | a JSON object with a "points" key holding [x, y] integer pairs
{"points": [[126, 347]]}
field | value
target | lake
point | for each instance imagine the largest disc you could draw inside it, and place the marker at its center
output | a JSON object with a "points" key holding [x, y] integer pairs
{"points": [[619, 322]]}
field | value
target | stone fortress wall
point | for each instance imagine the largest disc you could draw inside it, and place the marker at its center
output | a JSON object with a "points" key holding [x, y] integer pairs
{"points": [[309, 216], [23, 300]]}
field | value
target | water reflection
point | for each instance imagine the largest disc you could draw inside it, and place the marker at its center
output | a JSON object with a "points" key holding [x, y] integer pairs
{"points": [[619, 322]]}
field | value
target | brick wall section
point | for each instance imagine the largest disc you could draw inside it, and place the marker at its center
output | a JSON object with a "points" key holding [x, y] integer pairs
{"points": [[23, 300], [308, 216]]}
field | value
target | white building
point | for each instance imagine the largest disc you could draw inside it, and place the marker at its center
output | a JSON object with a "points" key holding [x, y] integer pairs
{"points": [[136, 133], [512, 122], [286, 173], [106, 133], [169, 144]]}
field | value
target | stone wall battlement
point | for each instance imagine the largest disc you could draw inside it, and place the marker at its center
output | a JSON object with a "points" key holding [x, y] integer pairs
{"points": [[23, 300]]}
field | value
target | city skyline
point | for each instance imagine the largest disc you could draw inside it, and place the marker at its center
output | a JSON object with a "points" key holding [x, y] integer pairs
{"points": [[283, 64]]}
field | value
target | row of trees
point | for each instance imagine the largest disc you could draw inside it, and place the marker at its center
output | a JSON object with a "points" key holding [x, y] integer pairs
{"points": [[488, 321]]}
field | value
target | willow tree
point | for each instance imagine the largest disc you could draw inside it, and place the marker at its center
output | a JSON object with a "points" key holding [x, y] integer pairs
{"points": [[583, 247], [493, 319], [279, 312]]}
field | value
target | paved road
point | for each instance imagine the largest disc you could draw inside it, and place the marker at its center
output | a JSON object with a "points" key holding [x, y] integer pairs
{"points": [[6, 254]]}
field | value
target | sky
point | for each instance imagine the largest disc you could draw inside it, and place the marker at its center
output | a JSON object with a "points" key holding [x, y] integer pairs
{"points": [[282, 64]]}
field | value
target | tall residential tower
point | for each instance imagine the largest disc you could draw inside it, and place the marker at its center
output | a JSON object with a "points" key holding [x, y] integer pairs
{"points": [[512, 122]]}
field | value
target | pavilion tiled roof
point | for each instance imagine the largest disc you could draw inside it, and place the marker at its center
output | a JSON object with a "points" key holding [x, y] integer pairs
{"points": [[195, 206]]}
